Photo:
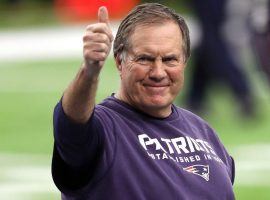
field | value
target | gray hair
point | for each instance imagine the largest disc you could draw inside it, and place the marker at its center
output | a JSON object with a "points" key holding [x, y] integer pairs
{"points": [[145, 14]]}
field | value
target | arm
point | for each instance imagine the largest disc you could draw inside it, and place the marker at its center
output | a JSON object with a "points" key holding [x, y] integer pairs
{"points": [[77, 145], [79, 98]]}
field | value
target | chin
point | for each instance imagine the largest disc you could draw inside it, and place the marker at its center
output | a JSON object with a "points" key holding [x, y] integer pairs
{"points": [[157, 102]]}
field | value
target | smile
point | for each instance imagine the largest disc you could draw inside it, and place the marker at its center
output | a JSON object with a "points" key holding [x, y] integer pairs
{"points": [[156, 88], [156, 85]]}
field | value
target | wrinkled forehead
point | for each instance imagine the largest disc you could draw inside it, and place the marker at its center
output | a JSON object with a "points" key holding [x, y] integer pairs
{"points": [[151, 24]]}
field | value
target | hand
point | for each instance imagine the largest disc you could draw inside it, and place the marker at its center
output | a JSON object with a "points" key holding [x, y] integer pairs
{"points": [[97, 42]]}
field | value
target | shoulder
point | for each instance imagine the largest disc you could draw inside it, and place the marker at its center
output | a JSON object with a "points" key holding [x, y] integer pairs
{"points": [[191, 118], [199, 127], [107, 108], [116, 109], [111, 113], [207, 133]]}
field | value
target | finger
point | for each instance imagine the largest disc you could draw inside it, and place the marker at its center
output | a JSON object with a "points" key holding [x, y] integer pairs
{"points": [[100, 56], [94, 56], [97, 47], [103, 15], [96, 37], [100, 28]]}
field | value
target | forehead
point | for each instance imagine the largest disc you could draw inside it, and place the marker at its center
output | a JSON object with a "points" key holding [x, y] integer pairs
{"points": [[156, 38]]}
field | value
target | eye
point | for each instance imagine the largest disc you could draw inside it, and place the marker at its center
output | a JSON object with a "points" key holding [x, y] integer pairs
{"points": [[170, 60], [144, 59]]}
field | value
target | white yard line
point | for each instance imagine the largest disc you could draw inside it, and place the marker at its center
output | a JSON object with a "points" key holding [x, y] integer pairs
{"points": [[23, 175], [19, 182], [252, 164]]}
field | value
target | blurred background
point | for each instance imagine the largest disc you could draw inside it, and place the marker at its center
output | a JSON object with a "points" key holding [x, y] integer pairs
{"points": [[227, 83]]}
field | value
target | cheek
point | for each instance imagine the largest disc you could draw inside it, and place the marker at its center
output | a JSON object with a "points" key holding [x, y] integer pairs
{"points": [[177, 76], [132, 76], [136, 74]]}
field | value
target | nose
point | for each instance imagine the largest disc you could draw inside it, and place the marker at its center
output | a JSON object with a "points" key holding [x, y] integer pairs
{"points": [[157, 72]]}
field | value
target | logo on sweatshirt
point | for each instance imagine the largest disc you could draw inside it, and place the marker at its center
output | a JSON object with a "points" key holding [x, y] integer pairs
{"points": [[185, 150], [179, 150], [200, 170]]}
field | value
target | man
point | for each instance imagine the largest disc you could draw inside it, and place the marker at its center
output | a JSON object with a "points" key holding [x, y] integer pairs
{"points": [[136, 144], [214, 62]]}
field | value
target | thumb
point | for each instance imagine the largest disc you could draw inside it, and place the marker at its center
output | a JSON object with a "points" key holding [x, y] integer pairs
{"points": [[103, 15]]}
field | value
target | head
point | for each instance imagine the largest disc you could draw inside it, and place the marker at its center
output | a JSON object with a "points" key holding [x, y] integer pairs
{"points": [[149, 14], [151, 49]]}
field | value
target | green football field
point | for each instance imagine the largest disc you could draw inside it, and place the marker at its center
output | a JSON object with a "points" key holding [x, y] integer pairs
{"points": [[29, 91]]}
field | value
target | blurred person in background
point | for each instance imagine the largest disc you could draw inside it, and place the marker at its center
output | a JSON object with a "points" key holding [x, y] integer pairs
{"points": [[137, 144], [213, 61], [259, 21], [247, 31]]}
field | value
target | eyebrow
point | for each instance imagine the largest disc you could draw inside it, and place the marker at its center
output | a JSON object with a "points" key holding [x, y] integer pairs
{"points": [[148, 56], [170, 56]]}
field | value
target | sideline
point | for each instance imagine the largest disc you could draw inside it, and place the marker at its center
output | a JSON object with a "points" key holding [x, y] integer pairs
{"points": [[56, 42]]}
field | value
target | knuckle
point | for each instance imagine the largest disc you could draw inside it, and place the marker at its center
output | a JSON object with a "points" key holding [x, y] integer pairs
{"points": [[106, 48], [99, 56], [102, 46], [86, 46], [102, 37], [86, 53], [103, 25], [90, 26], [96, 37], [96, 56], [105, 39], [102, 56], [86, 37]]}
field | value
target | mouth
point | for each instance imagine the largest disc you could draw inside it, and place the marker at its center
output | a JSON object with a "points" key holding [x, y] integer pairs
{"points": [[157, 85], [156, 88]]}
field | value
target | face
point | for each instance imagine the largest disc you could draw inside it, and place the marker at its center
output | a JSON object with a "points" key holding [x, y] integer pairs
{"points": [[152, 73]]}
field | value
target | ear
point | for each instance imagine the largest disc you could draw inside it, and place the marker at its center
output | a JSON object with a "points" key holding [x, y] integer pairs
{"points": [[184, 65], [118, 63]]}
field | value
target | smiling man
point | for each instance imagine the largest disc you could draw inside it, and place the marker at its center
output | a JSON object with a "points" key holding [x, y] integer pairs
{"points": [[137, 144], [152, 72]]}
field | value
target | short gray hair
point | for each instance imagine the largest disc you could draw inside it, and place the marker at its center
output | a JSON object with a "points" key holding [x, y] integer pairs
{"points": [[149, 13]]}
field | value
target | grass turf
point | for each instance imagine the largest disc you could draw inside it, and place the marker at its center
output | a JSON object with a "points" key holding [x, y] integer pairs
{"points": [[30, 90]]}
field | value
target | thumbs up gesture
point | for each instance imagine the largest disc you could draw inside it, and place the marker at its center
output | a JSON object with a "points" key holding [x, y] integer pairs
{"points": [[97, 41]]}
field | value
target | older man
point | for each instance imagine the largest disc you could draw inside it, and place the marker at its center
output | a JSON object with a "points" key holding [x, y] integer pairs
{"points": [[136, 144]]}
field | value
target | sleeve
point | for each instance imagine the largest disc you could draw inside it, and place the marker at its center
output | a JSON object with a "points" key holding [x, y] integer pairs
{"points": [[220, 150], [224, 156], [227, 160], [77, 150]]}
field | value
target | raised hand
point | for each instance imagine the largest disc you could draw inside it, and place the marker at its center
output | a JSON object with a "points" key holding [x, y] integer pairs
{"points": [[97, 42]]}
